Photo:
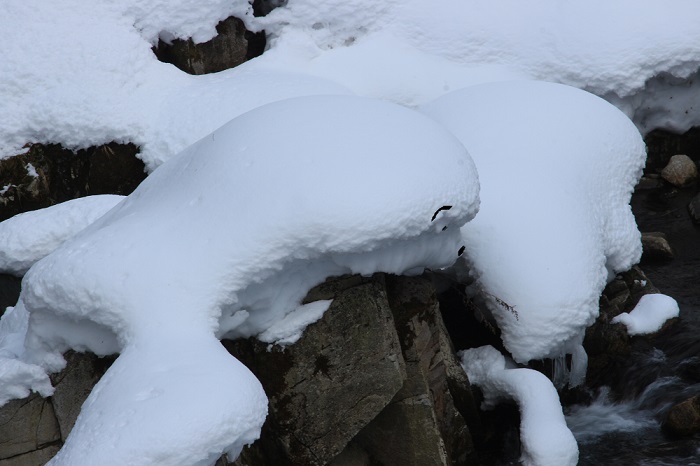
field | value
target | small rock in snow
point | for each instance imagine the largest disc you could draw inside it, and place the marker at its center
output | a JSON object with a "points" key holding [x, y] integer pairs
{"points": [[680, 171]]}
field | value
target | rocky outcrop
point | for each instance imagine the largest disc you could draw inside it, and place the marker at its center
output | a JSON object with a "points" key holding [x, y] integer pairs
{"points": [[232, 46], [48, 174], [375, 381]]}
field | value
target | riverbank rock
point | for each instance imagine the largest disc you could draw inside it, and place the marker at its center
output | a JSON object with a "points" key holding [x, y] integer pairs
{"points": [[655, 248], [694, 209], [681, 171], [684, 418], [27, 426]]}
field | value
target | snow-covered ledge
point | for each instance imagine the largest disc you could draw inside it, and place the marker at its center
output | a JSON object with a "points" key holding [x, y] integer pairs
{"points": [[546, 439]]}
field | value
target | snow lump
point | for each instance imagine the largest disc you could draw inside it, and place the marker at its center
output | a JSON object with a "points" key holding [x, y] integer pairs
{"points": [[225, 239], [557, 167]]}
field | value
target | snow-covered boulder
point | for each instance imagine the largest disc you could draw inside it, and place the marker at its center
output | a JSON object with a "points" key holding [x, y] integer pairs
{"points": [[557, 167], [225, 240]]}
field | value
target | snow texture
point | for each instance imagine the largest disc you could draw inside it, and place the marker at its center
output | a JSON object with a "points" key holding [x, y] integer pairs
{"points": [[557, 167], [28, 237], [545, 437], [649, 315], [226, 239], [82, 73]]}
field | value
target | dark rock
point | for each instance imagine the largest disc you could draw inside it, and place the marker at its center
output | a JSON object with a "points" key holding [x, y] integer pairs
{"points": [[684, 418], [27, 425], [49, 174], [655, 248], [232, 46], [661, 145], [649, 182], [694, 209], [330, 384], [73, 385], [9, 291], [33, 458], [608, 346], [423, 424], [681, 171]]}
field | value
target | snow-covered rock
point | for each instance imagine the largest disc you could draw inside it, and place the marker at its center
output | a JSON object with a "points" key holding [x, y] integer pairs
{"points": [[226, 239], [557, 167], [649, 315]]}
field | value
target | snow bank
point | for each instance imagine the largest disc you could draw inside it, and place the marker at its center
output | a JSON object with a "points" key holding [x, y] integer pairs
{"points": [[649, 315], [546, 439], [27, 237], [82, 72], [226, 239], [557, 167]]}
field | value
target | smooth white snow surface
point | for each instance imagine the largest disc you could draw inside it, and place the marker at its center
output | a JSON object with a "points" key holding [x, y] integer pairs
{"points": [[82, 72], [557, 167], [649, 315], [226, 239], [546, 439], [27, 237]]}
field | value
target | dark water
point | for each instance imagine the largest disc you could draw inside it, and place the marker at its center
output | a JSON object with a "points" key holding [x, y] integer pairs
{"points": [[627, 431]]}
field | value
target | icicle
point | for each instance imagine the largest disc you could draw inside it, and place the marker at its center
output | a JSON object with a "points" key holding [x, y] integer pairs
{"points": [[561, 373], [579, 365]]}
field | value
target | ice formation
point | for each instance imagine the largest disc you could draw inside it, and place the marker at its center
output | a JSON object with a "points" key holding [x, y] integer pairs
{"points": [[27, 237], [546, 439], [225, 239], [649, 315], [557, 167]]}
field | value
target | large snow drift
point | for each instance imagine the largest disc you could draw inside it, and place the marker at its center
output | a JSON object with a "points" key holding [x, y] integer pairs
{"points": [[226, 238], [557, 167], [82, 72]]}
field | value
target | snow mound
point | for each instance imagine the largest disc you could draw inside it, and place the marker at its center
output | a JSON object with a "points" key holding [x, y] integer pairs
{"points": [[226, 239], [546, 439], [557, 167], [27, 237], [82, 73], [649, 315]]}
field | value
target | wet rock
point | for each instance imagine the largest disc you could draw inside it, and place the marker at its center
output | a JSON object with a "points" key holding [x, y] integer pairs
{"points": [[73, 385], [27, 425], [662, 144], [330, 384], [33, 458], [655, 248], [232, 46], [48, 174], [681, 171], [649, 182], [423, 424], [684, 418], [608, 346]]}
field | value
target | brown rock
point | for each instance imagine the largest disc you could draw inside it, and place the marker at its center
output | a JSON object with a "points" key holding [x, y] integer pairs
{"points": [[27, 425], [680, 171], [48, 174], [655, 248], [684, 418]]}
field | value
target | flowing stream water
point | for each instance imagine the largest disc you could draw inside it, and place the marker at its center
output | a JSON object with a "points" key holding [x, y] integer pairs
{"points": [[662, 373]]}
